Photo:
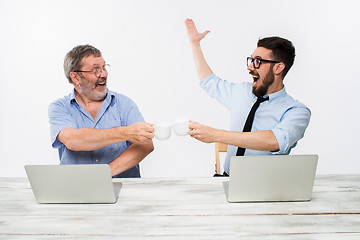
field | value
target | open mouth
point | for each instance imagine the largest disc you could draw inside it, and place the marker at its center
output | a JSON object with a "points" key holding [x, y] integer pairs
{"points": [[254, 76], [101, 83]]}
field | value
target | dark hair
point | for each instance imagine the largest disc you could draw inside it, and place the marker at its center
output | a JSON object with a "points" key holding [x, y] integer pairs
{"points": [[282, 49], [72, 61]]}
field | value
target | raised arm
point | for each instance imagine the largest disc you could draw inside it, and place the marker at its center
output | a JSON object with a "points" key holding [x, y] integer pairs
{"points": [[195, 37]]}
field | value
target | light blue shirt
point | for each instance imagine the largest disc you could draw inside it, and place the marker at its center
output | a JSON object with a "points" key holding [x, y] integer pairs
{"points": [[117, 110], [284, 116]]}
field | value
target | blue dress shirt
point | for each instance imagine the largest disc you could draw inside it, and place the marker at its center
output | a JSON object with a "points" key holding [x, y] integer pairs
{"points": [[284, 116], [117, 110]]}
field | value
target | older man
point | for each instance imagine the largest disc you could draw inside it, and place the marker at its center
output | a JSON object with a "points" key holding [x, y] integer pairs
{"points": [[93, 125]]}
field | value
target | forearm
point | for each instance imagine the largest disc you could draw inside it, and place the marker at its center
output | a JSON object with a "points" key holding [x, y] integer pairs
{"points": [[130, 157], [89, 139], [258, 140], [201, 65]]}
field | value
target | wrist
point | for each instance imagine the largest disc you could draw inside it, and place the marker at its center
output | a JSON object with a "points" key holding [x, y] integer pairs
{"points": [[220, 135], [195, 44], [123, 133]]}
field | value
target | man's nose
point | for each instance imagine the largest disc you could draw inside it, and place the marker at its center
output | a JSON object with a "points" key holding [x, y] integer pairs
{"points": [[251, 67], [104, 73]]}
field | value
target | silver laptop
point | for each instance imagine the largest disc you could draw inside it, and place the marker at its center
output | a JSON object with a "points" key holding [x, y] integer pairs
{"points": [[271, 178], [72, 183]]}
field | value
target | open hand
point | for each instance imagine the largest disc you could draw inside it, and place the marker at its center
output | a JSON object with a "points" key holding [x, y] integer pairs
{"points": [[194, 36]]}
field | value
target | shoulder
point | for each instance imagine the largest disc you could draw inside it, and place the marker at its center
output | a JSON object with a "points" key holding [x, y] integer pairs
{"points": [[60, 103], [121, 98], [122, 103], [293, 102], [293, 105], [126, 108], [283, 98]]}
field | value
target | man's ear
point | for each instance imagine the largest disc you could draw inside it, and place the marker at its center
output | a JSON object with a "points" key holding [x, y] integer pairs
{"points": [[74, 77], [278, 68]]}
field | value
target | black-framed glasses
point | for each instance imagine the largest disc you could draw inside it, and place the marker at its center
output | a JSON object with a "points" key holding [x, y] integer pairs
{"points": [[98, 70], [257, 61]]}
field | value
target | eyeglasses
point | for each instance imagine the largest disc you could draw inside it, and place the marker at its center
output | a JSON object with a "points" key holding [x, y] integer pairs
{"points": [[98, 70], [257, 61]]}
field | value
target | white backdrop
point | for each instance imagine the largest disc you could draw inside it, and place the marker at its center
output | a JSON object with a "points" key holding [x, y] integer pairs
{"points": [[146, 44]]}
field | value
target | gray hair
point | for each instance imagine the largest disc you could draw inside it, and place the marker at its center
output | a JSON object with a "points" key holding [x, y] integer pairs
{"points": [[72, 61]]}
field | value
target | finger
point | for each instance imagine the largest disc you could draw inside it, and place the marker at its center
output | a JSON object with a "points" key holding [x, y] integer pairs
{"points": [[188, 23], [146, 134], [145, 138], [192, 26], [193, 125], [150, 136], [205, 33], [149, 124], [197, 137], [148, 127], [193, 133], [192, 128]]}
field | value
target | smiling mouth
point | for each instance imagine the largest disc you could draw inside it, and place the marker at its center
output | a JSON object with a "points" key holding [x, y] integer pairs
{"points": [[254, 76], [101, 83]]}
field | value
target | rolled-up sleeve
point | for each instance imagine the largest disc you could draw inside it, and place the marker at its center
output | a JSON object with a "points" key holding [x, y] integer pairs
{"points": [[59, 118], [132, 113], [219, 89], [291, 128]]}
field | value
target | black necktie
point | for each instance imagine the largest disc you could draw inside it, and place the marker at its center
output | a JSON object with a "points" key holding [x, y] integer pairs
{"points": [[249, 121]]}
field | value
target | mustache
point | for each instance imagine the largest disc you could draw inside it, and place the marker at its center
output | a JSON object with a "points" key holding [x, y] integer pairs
{"points": [[253, 73]]}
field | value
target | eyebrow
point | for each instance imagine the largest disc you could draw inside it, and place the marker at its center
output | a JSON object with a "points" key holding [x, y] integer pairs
{"points": [[259, 57], [99, 65]]}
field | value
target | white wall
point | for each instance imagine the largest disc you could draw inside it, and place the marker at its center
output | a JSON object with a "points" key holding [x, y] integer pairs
{"points": [[145, 42]]}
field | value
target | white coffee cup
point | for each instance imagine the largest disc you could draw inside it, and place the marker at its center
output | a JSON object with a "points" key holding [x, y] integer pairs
{"points": [[181, 126], [162, 130]]}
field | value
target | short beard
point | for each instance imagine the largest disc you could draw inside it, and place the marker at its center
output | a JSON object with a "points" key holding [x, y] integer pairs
{"points": [[88, 89], [261, 90]]}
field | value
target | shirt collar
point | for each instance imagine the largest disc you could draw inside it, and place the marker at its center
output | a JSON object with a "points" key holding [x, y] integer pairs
{"points": [[110, 97], [72, 96], [277, 94], [274, 95]]}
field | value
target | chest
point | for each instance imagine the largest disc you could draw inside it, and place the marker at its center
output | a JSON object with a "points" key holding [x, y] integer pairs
{"points": [[101, 117], [93, 110]]}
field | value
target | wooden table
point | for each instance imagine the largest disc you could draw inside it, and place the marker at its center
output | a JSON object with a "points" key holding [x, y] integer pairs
{"points": [[187, 208]]}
